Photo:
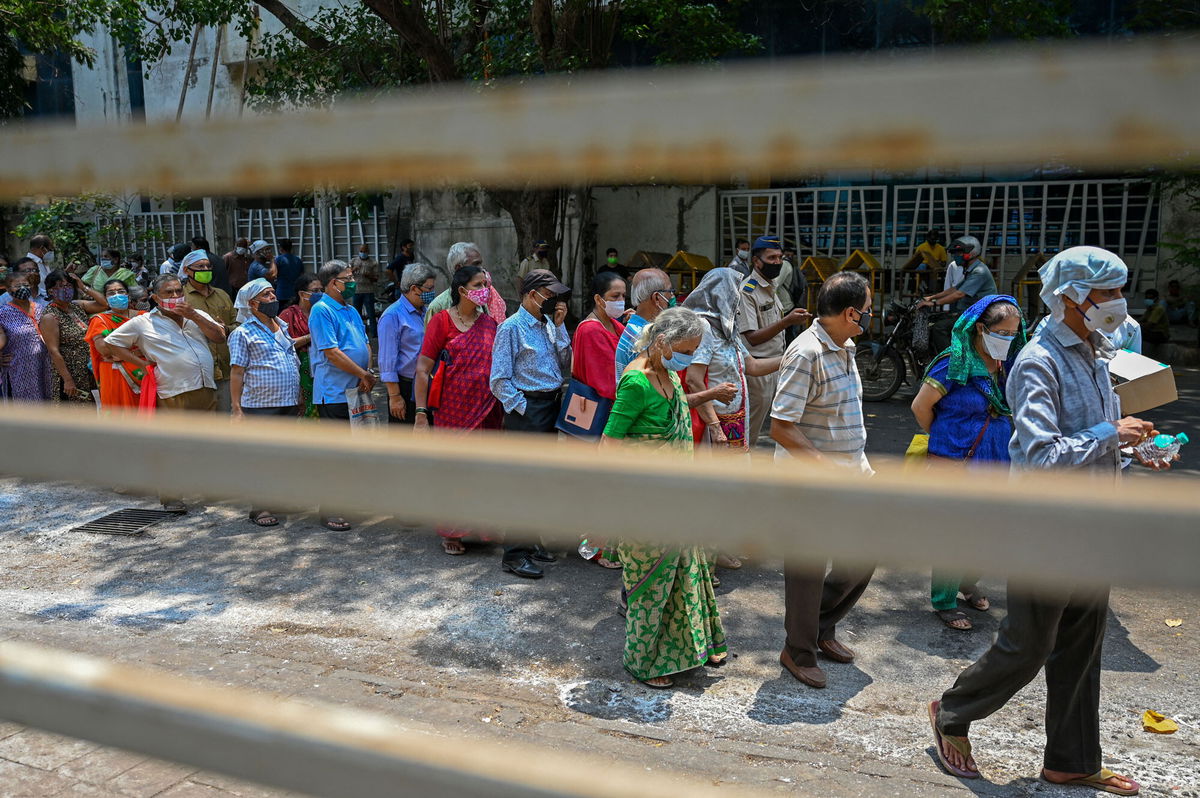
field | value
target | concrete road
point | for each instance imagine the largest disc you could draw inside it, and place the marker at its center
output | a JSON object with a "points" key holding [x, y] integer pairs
{"points": [[378, 617]]}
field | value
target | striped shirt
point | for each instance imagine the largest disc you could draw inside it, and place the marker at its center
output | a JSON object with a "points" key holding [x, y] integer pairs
{"points": [[820, 392], [272, 377]]}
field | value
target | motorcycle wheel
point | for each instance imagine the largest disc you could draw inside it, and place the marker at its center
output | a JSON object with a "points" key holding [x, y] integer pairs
{"points": [[881, 372]]}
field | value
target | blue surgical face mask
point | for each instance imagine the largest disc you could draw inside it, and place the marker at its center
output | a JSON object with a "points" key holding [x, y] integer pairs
{"points": [[678, 361], [427, 297], [105, 263], [118, 301]]}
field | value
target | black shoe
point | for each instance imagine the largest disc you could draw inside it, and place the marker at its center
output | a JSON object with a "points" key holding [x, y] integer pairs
{"points": [[523, 567], [540, 554]]}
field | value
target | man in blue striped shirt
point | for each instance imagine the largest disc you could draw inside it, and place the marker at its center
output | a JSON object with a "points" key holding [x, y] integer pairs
{"points": [[531, 354]]}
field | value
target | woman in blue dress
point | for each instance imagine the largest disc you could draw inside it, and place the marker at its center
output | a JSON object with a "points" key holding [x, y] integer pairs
{"points": [[961, 405]]}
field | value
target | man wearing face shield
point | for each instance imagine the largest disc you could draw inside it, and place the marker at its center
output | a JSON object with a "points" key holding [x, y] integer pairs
{"points": [[960, 293], [1066, 416]]}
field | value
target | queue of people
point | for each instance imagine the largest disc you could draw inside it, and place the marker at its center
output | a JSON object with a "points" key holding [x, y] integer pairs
{"points": [[640, 372]]}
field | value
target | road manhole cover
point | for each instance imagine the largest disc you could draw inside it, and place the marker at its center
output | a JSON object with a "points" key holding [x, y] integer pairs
{"points": [[130, 521]]}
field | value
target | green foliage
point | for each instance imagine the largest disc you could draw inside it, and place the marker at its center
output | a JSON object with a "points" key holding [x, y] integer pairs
{"points": [[682, 31], [974, 21], [1182, 189], [80, 225]]}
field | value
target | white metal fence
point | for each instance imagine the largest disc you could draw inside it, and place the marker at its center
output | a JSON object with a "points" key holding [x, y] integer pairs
{"points": [[318, 234], [830, 221], [1016, 220], [153, 234], [1012, 220]]}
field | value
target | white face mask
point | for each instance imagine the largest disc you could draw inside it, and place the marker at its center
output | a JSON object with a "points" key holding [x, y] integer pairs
{"points": [[613, 308], [997, 345], [48, 257], [1107, 316], [242, 251], [743, 254]]}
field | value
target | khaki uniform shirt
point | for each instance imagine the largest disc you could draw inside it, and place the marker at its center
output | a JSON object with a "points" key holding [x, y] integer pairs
{"points": [[760, 308], [219, 306]]}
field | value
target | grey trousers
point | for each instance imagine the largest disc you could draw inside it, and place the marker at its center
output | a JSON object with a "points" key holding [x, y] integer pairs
{"points": [[814, 602], [760, 395], [1064, 633]]}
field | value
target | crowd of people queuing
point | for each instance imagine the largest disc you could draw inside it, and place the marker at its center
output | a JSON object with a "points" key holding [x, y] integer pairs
{"points": [[250, 334]]}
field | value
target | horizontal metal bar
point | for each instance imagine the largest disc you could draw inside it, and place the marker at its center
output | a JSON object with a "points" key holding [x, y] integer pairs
{"points": [[1026, 104], [1048, 526], [319, 750]]}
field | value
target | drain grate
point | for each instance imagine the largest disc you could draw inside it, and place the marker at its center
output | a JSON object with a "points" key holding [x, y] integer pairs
{"points": [[131, 521]]}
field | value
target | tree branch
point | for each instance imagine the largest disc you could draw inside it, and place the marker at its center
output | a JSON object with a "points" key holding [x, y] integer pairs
{"points": [[301, 31], [408, 20], [542, 20]]}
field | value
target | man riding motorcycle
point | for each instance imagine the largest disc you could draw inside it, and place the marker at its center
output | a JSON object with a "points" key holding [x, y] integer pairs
{"points": [[960, 292]]}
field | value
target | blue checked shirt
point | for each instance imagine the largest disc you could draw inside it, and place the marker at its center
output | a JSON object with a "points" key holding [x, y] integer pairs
{"points": [[272, 377], [529, 355]]}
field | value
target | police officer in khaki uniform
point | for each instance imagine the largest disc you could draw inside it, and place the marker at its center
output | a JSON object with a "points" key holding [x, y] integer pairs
{"points": [[762, 324]]}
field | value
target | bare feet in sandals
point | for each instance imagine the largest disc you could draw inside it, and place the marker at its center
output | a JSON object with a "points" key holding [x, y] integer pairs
{"points": [[1104, 780], [604, 562], [728, 561], [659, 682], [453, 546], [977, 601], [953, 752], [955, 619]]}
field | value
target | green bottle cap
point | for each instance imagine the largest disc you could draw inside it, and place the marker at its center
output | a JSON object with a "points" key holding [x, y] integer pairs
{"points": [[1182, 438]]}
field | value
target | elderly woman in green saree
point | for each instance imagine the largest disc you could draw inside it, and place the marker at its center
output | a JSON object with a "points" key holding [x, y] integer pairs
{"points": [[671, 624]]}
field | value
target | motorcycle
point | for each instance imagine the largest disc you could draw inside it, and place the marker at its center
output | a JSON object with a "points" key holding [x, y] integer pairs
{"points": [[883, 366]]}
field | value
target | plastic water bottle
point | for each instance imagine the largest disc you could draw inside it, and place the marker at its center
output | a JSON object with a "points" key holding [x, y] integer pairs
{"points": [[1161, 449]]}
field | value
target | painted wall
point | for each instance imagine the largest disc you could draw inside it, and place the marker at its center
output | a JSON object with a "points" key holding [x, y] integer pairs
{"points": [[656, 218]]}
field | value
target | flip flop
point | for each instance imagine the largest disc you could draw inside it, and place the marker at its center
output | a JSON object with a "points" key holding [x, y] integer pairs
{"points": [[948, 616], [1099, 781], [977, 602], [962, 745], [261, 519], [454, 553]]}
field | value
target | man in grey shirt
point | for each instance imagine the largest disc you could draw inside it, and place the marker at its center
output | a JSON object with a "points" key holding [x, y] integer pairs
{"points": [[1065, 416], [976, 283]]}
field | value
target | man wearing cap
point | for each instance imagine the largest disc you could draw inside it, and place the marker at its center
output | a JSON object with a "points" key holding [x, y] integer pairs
{"points": [[762, 324], [539, 259], [237, 263], [201, 295], [531, 354], [968, 280], [1066, 417]]}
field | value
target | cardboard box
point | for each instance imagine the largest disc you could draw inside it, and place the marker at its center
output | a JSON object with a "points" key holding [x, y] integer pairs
{"points": [[1141, 382]]}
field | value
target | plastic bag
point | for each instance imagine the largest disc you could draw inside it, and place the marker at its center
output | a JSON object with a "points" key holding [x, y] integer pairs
{"points": [[363, 412]]}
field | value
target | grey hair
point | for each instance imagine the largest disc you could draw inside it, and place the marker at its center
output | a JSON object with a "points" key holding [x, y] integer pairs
{"points": [[647, 282], [675, 325], [457, 255], [162, 280], [331, 270], [415, 274]]}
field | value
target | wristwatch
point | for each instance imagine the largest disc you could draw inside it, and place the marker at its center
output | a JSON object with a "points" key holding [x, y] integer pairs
{"points": [[424, 410]]}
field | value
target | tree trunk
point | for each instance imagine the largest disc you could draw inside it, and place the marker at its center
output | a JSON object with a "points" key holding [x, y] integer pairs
{"points": [[534, 212]]}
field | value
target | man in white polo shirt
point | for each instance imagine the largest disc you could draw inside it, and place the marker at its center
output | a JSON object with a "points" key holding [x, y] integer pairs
{"points": [[174, 338], [817, 415]]}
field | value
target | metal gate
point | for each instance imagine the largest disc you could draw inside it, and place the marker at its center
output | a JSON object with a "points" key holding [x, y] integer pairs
{"points": [[165, 229], [1015, 221], [830, 221], [318, 234]]}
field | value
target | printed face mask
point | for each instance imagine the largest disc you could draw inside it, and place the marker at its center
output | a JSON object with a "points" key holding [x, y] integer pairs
{"points": [[479, 296], [169, 302]]}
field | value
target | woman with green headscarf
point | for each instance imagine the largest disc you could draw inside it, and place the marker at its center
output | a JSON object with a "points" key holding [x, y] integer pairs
{"points": [[961, 405]]}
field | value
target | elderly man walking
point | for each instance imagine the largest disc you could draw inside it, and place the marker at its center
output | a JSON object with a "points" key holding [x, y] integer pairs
{"points": [[817, 415], [1065, 418], [650, 293], [175, 339]]}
